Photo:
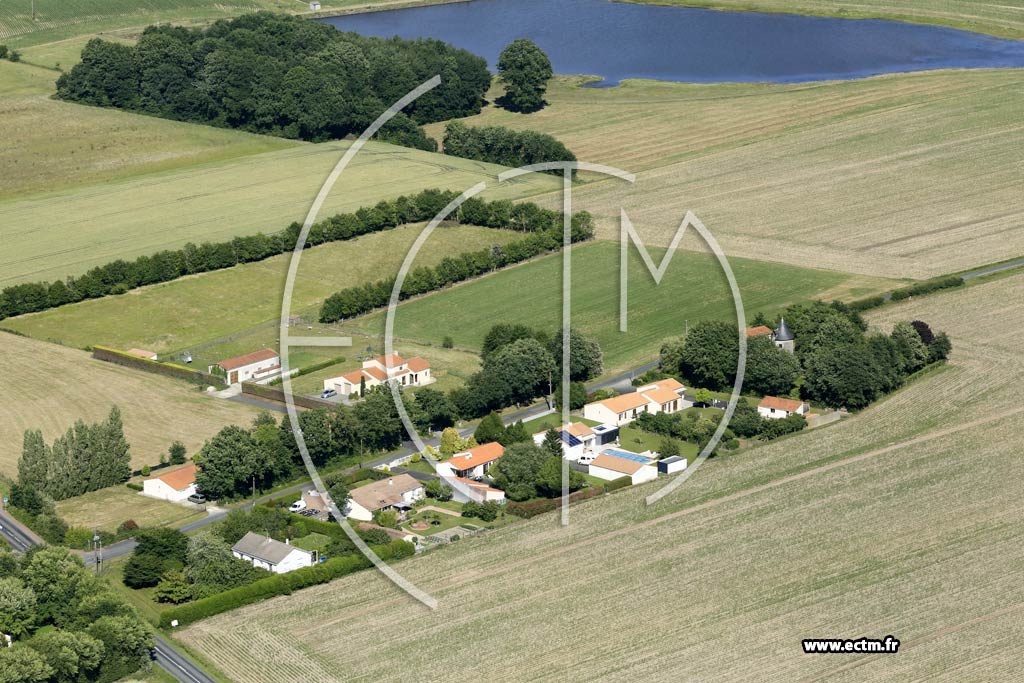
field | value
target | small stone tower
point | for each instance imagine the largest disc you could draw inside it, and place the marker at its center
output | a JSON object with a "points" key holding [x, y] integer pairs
{"points": [[783, 337]]}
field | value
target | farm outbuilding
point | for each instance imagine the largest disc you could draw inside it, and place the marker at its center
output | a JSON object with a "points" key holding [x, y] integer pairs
{"points": [[251, 366]]}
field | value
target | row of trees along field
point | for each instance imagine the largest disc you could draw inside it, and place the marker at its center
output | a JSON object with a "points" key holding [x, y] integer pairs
{"points": [[499, 145], [277, 74], [837, 361], [120, 276], [68, 625], [354, 301]]}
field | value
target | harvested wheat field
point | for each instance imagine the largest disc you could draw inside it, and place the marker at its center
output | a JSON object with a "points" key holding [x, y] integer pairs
{"points": [[49, 387], [911, 175], [903, 520]]}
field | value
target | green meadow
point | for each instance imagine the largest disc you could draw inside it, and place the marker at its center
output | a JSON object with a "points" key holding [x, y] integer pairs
{"points": [[693, 288]]}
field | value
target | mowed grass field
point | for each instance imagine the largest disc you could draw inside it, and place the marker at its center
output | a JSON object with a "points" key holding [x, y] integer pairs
{"points": [[64, 233], [60, 19], [49, 387], [203, 313], [910, 175], [51, 145], [108, 508], [901, 520], [693, 288], [1004, 19]]}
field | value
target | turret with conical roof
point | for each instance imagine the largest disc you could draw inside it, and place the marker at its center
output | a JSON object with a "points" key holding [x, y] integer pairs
{"points": [[783, 337], [783, 333]]}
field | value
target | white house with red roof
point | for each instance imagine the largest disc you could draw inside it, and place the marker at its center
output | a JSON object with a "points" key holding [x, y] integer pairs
{"points": [[472, 463], [775, 408], [174, 486], [251, 367], [663, 396], [407, 372]]}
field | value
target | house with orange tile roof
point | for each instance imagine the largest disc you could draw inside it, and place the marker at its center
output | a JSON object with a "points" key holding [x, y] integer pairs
{"points": [[663, 396], [609, 466], [473, 463], [251, 367], [174, 486], [407, 372], [775, 408]]}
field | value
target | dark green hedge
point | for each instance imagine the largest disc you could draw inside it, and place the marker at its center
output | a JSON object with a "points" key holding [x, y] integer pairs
{"points": [[280, 584], [916, 289], [354, 301]]}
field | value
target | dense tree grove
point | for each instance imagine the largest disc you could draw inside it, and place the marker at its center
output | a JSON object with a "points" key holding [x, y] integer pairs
{"points": [[68, 625], [842, 363], [546, 229], [525, 70], [118, 277], [277, 74], [499, 145], [236, 458], [87, 458], [520, 364]]}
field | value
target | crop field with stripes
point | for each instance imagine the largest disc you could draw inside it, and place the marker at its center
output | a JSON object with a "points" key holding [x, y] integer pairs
{"points": [[910, 175], [901, 520]]}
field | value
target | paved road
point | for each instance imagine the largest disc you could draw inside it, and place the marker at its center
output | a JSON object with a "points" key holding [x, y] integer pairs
{"points": [[176, 664], [12, 532], [988, 270]]}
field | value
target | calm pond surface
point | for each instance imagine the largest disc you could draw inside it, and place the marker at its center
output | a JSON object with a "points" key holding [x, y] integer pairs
{"points": [[618, 40]]}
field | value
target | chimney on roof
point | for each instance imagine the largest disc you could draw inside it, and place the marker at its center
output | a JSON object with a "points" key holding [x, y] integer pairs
{"points": [[391, 482], [287, 541]]}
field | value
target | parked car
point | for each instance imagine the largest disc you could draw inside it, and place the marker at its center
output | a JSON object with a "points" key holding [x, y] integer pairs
{"points": [[587, 458], [297, 506], [197, 498], [328, 393]]}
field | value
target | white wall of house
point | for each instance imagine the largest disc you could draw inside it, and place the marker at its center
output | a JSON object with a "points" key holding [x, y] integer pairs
{"points": [[253, 370], [157, 488], [296, 559], [601, 413], [645, 473], [778, 413]]}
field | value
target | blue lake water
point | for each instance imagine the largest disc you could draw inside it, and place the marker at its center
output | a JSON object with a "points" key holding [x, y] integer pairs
{"points": [[619, 40]]}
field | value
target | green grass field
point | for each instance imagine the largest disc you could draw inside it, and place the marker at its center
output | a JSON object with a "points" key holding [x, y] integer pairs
{"points": [[61, 19], [910, 175], [52, 146], [217, 201], [900, 520], [693, 289], [1004, 19], [228, 312]]}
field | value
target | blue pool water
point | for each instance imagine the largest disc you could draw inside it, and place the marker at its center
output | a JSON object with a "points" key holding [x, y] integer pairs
{"points": [[626, 455]]}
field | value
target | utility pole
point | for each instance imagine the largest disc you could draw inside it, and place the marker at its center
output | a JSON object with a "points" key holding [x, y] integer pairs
{"points": [[33, 10], [97, 550], [254, 491]]}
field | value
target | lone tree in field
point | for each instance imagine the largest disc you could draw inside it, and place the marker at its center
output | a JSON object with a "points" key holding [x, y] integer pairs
{"points": [[525, 70]]}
